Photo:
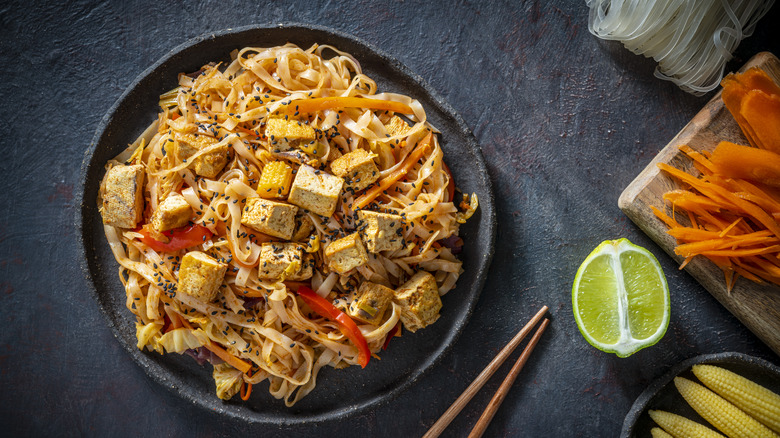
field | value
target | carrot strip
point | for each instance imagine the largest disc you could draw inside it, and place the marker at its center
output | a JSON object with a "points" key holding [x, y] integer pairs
{"points": [[740, 252], [692, 218], [688, 200], [730, 227], [363, 200], [762, 113], [702, 247], [248, 131], [733, 221], [744, 272], [761, 196], [731, 280], [698, 158], [246, 388], [664, 217], [734, 91], [745, 162], [325, 103], [718, 192], [757, 79], [686, 233]]}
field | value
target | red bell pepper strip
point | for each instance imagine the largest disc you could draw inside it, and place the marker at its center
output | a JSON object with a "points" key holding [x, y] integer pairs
{"points": [[324, 308], [391, 334], [180, 238]]}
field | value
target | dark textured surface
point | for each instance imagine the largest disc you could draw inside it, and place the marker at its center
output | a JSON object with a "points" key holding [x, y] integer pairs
{"points": [[565, 122]]}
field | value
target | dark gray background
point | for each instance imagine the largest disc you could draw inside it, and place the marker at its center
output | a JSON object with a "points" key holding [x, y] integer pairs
{"points": [[565, 122]]}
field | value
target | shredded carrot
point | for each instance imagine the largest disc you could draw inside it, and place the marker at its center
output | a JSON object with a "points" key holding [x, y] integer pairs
{"points": [[223, 354], [248, 131], [698, 158], [664, 217], [730, 227], [246, 388], [394, 177], [685, 263], [325, 103], [731, 221]]}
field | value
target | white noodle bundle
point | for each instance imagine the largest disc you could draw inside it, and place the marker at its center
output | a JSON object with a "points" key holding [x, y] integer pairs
{"points": [[690, 39]]}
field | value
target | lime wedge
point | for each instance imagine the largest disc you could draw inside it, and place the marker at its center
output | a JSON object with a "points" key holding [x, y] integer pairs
{"points": [[620, 298]]}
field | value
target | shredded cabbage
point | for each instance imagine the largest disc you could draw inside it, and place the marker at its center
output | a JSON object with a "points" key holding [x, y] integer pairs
{"points": [[181, 339], [228, 380]]}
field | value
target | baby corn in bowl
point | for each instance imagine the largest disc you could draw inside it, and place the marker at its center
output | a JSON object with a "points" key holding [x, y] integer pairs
{"points": [[717, 395]]}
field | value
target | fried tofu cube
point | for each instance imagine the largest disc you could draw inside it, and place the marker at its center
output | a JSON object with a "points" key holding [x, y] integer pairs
{"points": [[200, 275], [173, 212], [208, 165], [284, 135], [346, 254], [303, 228], [381, 231], [286, 261], [419, 301], [357, 168], [123, 198], [315, 191], [371, 302], [273, 218], [396, 126]]}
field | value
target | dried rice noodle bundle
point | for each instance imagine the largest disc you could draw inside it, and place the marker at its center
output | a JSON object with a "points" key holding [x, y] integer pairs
{"points": [[690, 39]]}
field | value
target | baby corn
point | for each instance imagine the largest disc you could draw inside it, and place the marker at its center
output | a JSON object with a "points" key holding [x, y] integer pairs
{"points": [[757, 401], [681, 427], [657, 432], [726, 417], [275, 180]]}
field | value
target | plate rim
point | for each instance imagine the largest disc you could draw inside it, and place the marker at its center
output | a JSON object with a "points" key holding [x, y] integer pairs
{"points": [[239, 411]]}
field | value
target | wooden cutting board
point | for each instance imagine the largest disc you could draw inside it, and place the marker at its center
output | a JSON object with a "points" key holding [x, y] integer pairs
{"points": [[756, 306]]}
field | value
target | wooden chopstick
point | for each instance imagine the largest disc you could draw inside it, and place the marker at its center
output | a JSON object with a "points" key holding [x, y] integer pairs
{"points": [[502, 391], [444, 421]]}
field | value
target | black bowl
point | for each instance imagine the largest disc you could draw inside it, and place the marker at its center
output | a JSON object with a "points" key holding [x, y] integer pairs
{"points": [[662, 394], [339, 393]]}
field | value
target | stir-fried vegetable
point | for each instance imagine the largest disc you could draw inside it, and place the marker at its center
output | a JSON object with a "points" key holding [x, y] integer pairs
{"points": [[385, 183], [347, 326], [223, 354], [179, 238]]}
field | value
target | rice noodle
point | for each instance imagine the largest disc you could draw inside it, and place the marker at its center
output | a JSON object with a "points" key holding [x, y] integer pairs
{"points": [[690, 39], [261, 321]]}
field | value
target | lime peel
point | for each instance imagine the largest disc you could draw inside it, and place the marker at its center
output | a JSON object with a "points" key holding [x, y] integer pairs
{"points": [[620, 298]]}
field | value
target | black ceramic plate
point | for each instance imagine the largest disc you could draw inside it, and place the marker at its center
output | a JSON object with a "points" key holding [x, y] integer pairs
{"points": [[663, 395], [339, 393]]}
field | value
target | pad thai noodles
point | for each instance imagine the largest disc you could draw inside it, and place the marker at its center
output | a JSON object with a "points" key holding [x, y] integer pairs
{"points": [[280, 215]]}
